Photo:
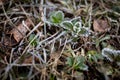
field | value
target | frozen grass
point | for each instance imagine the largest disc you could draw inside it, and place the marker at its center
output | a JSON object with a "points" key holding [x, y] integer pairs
{"points": [[53, 53]]}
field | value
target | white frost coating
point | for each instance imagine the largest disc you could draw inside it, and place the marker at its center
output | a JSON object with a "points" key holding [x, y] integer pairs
{"points": [[111, 54]]}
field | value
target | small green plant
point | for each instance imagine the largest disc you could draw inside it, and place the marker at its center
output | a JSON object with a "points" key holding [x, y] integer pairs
{"points": [[33, 41], [77, 63], [73, 26]]}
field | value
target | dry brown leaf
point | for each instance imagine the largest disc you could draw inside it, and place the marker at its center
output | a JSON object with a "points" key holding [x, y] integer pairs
{"points": [[8, 41], [20, 31], [100, 25]]}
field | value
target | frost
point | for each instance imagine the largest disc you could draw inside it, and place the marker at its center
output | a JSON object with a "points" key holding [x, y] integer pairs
{"points": [[112, 55]]}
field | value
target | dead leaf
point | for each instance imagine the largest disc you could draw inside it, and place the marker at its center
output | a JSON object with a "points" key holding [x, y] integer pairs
{"points": [[100, 25], [20, 31], [8, 41]]}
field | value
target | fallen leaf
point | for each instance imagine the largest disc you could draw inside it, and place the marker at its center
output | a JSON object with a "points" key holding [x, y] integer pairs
{"points": [[100, 25], [20, 31], [8, 41]]}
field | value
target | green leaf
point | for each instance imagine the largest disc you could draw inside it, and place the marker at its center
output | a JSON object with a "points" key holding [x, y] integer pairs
{"points": [[67, 25], [54, 19], [75, 20], [83, 67], [80, 63], [57, 17], [60, 16], [77, 27], [84, 32], [80, 59], [70, 61]]}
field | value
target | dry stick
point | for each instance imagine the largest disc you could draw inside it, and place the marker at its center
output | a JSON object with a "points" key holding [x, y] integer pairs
{"points": [[11, 55], [23, 22], [63, 48], [38, 5], [46, 40], [52, 47], [45, 55], [44, 19], [35, 28], [61, 34], [11, 19], [114, 36], [13, 64], [90, 17], [42, 15], [17, 13]]}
